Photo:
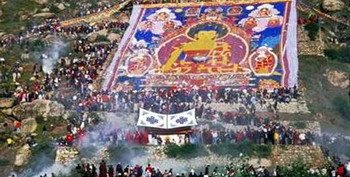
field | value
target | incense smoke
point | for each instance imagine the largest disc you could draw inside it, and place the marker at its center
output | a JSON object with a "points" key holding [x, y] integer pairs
{"points": [[51, 55]]}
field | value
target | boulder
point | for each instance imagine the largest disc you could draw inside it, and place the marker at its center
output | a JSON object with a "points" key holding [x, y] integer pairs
{"points": [[22, 111], [5, 119], [333, 5], [60, 6], [25, 56], [102, 32], [48, 108], [44, 14], [50, 39], [23, 17], [92, 37], [7, 102], [124, 18], [45, 10], [41, 2], [7, 111], [29, 125], [113, 36], [44, 108], [22, 156]]}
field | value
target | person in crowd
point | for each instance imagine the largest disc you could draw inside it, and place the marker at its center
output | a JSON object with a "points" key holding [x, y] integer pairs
{"points": [[110, 171], [192, 173], [103, 169], [10, 142], [341, 171]]}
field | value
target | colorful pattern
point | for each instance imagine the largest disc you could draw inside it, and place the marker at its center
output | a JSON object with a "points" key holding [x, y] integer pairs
{"points": [[239, 44]]}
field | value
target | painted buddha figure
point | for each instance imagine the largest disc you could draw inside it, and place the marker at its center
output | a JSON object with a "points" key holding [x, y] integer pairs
{"points": [[250, 23], [200, 47], [162, 16], [204, 49], [264, 12]]}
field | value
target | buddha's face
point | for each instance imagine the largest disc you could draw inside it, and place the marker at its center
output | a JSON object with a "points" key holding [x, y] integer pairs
{"points": [[264, 12], [251, 22], [162, 16]]}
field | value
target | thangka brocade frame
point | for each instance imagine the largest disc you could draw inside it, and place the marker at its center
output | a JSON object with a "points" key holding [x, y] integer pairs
{"points": [[232, 44]]}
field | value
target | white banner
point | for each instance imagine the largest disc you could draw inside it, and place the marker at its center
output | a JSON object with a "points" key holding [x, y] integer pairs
{"points": [[183, 119], [165, 121], [151, 119]]}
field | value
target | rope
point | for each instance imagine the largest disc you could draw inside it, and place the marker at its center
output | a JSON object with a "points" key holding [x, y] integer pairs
{"points": [[96, 16], [306, 8]]}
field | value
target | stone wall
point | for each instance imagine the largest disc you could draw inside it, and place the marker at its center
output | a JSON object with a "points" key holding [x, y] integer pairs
{"points": [[308, 47], [295, 106], [285, 155]]}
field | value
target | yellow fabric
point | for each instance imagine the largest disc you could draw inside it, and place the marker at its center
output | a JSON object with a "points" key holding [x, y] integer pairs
{"points": [[275, 136], [9, 141]]}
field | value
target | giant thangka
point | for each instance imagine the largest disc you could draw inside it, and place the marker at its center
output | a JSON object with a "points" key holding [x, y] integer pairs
{"points": [[241, 43]]}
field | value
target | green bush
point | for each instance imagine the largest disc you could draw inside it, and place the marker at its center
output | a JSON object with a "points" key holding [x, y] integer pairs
{"points": [[4, 162], [341, 54], [185, 151], [36, 45], [123, 153], [101, 38], [40, 119], [54, 9], [342, 106], [299, 125], [10, 20], [262, 151], [313, 29], [45, 147], [246, 148]]}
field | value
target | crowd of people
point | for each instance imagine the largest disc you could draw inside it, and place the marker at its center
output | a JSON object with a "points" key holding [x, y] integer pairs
{"points": [[269, 132], [53, 26], [87, 10], [175, 100], [72, 72], [231, 170], [78, 69]]}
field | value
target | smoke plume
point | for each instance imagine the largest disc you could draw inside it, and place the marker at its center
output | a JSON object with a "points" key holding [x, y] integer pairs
{"points": [[51, 55]]}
